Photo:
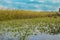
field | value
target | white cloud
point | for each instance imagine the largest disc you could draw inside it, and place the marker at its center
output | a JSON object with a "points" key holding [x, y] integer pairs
{"points": [[16, 2], [52, 1], [3, 7], [55, 1], [37, 6], [6, 7], [41, 0], [7, 1], [48, 6], [31, 0]]}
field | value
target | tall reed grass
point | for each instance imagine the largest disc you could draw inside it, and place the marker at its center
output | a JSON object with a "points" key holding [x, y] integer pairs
{"points": [[21, 14]]}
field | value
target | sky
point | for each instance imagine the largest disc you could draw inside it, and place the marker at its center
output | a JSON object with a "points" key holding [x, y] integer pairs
{"points": [[35, 5]]}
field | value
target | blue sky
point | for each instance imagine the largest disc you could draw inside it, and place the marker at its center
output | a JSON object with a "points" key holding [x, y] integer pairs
{"points": [[36, 5]]}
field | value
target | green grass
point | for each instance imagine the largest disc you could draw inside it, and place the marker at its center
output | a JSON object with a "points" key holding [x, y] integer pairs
{"points": [[42, 24]]}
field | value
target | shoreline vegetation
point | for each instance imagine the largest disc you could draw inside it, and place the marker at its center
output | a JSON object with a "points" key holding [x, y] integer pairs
{"points": [[20, 24], [52, 19]]}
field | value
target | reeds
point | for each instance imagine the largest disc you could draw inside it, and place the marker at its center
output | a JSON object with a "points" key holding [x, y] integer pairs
{"points": [[21, 14]]}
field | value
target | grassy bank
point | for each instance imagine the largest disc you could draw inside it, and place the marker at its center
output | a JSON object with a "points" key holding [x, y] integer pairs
{"points": [[22, 28], [46, 25]]}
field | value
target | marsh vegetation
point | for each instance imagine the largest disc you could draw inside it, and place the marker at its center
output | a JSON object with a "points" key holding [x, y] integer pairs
{"points": [[20, 25]]}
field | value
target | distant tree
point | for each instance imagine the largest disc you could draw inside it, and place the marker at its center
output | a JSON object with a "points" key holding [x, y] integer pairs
{"points": [[59, 9]]}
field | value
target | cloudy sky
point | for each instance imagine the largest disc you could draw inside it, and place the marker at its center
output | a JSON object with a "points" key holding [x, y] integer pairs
{"points": [[37, 5]]}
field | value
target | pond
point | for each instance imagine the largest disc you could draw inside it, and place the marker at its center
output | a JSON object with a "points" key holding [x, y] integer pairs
{"points": [[16, 36], [44, 37]]}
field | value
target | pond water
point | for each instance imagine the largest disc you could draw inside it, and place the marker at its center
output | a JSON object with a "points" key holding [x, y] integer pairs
{"points": [[9, 36], [44, 37]]}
